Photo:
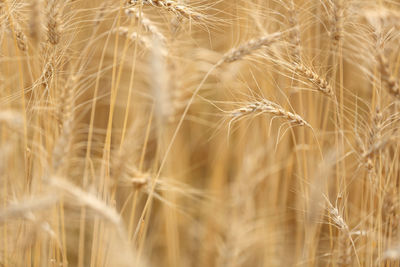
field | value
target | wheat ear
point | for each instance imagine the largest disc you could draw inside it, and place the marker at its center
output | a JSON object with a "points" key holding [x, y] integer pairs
{"points": [[146, 23], [266, 106], [171, 6], [53, 23], [320, 83], [249, 47], [387, 78]]}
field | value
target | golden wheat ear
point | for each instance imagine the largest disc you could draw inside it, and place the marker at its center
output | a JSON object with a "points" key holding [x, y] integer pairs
{"points": [[249, 47], [53, 22], [268, 107], [179, 10]]}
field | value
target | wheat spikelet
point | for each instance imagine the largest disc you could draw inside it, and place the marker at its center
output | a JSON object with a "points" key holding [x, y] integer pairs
{"points": [[390, 211], [346, 242], [320, 83], [294, 33], [336, 22], [380, 17], [387, 78], [134, 36], [63, 143], [160, 85], [266, 106], [35, 25], [21, 39], [47, 75], [53, 23], [249, 47], [100, 13]]}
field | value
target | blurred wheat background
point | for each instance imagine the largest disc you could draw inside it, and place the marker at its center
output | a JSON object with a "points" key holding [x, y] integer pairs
{"points": [[199, 133]]}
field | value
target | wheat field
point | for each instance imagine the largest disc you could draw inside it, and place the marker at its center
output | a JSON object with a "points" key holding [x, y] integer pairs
{"points": [[199, 133]]}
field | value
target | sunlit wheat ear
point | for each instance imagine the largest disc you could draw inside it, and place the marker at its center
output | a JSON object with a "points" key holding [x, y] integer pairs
{"points": [[86, 199], [388, 79], [63, 143], [380, 17], [101, 12], [146, 23], [337, 220], [171, 6], [315, 79], [22, 209], [392, 253], [141, 39], [294, 32], [11, 119], [47, 74], [268, 107], [102, 209], [390, 210], [53, 22], [249, 47], [35, 25], [159, 84], [21, 38], [336, 22]]}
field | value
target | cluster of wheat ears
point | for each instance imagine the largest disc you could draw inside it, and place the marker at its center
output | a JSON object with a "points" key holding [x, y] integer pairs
{"points": [[199, 133]]}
